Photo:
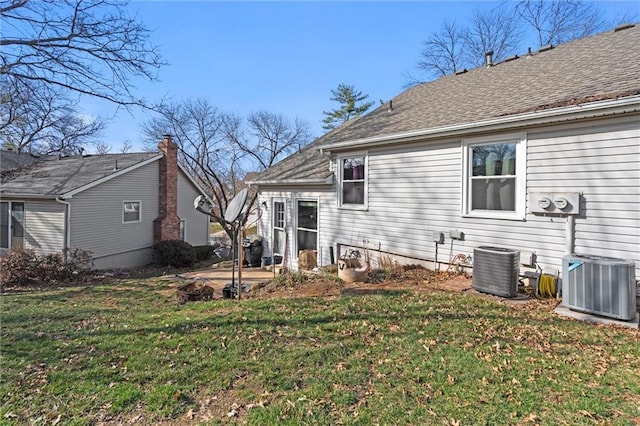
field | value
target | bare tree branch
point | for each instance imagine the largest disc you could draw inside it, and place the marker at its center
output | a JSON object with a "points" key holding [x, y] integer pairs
{"points": [[493, 31], [202, 134], [36, 119], [86, 46], [559, 21], [273, 138], [215, 145], [443, 51]]}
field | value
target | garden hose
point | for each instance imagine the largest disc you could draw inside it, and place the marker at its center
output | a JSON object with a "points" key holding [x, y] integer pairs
{"points": [[547, 285]]}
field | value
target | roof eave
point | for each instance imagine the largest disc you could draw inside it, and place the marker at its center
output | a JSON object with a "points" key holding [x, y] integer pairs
{"points": [[289, 182], [4, 195], [548, 116]]}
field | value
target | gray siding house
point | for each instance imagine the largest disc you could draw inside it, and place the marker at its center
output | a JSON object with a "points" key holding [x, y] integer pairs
{"points": [[116, 205], [481, 157]]}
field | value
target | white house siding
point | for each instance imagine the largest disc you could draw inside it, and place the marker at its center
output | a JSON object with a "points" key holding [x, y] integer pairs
{"points": [[44, 226], [416, 190], [603, 163], [411, 193], [196, 223], [325, 196], [96, 219]]}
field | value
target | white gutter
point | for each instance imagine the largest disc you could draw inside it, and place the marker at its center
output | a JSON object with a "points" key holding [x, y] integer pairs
{"points": [[574, 112], [27, 196], [67, 227], [325, 181]]}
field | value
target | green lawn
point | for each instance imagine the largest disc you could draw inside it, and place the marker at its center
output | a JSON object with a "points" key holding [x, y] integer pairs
{"points": [[127, 352]]}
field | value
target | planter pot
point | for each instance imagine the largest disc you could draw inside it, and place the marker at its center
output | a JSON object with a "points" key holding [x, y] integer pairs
{"points": [[350, 270]]}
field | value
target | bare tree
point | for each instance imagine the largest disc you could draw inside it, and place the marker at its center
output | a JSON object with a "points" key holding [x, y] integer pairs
{"points": [[216, 147], [126, 146], [492, 31], [86, 46], [559, 21], [203, 134], [272, 137], [502, 31], [53, 52], [444, 51], [36, 119], [102, 148]]}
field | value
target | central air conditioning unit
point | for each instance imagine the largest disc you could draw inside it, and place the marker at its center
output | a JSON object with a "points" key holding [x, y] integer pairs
{"points": [[599, 285], [495, 270]]}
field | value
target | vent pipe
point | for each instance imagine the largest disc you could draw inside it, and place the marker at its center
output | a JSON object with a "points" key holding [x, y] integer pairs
{"points": [[488, 57]]}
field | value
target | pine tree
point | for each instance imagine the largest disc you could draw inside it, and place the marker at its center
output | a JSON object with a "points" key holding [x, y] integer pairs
{"points": [[351, 106]]}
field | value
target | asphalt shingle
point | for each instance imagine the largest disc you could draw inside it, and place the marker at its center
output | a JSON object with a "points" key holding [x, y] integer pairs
{"points": [[599, 67], [55, 176]]}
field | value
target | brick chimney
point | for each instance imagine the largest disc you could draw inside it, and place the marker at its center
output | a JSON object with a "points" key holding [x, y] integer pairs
{"points": [[167, 225]]}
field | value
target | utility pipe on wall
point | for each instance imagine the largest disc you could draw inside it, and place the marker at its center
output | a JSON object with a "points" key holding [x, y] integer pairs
{"points": [[569, 238]]}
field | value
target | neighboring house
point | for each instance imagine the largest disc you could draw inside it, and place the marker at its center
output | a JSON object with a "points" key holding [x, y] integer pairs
{"points": [[116, 205], [477, 153]]}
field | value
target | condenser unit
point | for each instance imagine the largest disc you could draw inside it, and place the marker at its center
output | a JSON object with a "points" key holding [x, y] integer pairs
{"points": [[495, 270], [599, 285]]}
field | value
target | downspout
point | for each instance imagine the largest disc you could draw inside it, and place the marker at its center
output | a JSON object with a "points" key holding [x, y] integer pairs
{"points": [[67, 227]]}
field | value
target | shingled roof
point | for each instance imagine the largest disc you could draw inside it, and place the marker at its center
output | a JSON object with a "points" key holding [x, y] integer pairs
{"points": [[600, 67], [52, 176]]}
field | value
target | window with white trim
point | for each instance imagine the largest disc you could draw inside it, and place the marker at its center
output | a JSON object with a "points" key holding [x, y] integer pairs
{"points": [[11, 224], [353, 180], [278, 227], [131, 211], [494, 184], [307, 215]]}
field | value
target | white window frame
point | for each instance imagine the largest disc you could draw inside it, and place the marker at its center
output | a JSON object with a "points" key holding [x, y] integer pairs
{"points": [[273, 226], [139, 211], [297, 228], [520, 139], [340, 170], [10, 226]]}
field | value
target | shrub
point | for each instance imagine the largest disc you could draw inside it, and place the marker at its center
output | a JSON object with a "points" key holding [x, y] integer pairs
{"points": [[174, 253], [23, 267], [203, 252]]}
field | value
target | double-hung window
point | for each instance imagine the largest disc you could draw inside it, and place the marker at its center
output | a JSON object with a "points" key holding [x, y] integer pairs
{"points": [[131, 211], [494, 182], [353, 180]]}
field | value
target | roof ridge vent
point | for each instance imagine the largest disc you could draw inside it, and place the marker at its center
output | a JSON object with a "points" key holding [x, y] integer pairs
{"points": [[545, 48], [623, 26], [462, 71]]}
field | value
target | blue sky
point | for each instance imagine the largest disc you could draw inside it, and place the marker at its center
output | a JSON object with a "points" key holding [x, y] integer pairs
{"points": [[284, 57]]}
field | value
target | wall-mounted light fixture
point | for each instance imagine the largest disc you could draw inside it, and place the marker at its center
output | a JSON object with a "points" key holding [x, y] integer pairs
{"points": [[264, 204]]}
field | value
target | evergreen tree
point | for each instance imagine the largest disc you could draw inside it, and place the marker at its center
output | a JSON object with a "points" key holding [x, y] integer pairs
{"points": [[351, 106]]}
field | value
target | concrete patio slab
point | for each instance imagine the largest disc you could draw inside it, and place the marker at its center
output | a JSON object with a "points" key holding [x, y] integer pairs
{"points": [[217, 278], [566, 312]]}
